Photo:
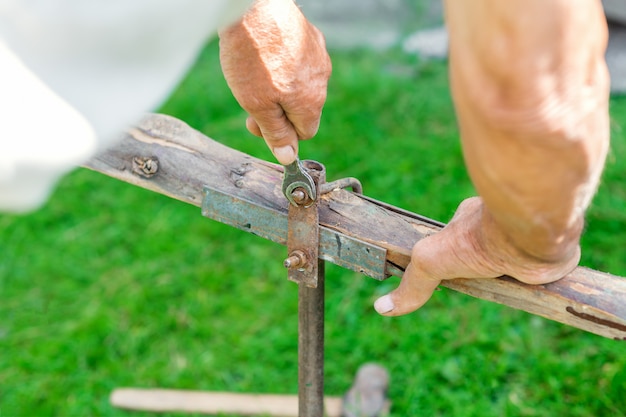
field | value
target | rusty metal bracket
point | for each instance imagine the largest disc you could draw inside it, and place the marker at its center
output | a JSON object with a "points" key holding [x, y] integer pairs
{"points": [[303, 237]]}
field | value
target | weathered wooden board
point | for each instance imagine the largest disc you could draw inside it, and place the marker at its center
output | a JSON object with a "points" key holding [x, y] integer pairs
{"points": [[165, 155]]}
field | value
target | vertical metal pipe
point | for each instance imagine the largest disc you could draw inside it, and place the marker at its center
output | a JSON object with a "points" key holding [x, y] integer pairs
{"points": [[311, 347]]}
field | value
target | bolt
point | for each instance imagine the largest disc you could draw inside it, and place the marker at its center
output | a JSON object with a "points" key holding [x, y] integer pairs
{"points": [[296, 259], [299, 196], [145, 167]]}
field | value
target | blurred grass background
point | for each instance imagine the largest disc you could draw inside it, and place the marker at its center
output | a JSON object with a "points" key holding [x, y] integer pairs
{"points": [[109, 285]]}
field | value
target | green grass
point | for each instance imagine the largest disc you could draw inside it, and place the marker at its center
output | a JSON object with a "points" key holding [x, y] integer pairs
{"points": [[109, 285]]}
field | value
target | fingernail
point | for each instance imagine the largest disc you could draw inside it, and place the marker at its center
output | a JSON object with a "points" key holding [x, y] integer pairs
{"points": [[285, 154], [384, 304]]}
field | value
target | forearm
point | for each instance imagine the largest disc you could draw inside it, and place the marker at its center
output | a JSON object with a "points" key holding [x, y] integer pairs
{"points": [[530, 91]]}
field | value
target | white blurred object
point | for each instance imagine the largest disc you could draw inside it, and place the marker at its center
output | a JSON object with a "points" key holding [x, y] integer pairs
{"points": [[428, 43], [75, 73], [368, 395]]}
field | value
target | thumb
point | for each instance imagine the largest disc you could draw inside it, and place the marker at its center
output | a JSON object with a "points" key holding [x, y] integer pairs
{"points": [[278, 133], [458, 250], [414, 291], [419, 281]]}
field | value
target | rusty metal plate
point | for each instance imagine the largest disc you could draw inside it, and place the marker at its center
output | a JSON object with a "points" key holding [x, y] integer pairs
{"points": [[303, 237], [303, 241]]}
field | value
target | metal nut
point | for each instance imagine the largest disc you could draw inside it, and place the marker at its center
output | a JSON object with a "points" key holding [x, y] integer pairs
{"points": [[296, 259]]}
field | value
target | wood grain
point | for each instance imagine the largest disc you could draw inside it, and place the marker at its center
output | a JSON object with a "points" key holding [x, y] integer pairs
{"points": [[165, 155]]}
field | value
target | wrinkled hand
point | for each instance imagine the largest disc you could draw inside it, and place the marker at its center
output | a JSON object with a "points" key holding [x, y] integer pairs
{"points": [[276, 64], [470, 246]]}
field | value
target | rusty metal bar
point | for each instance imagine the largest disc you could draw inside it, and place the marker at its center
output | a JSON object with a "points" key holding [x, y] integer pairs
{"points": [[311, 347], [303, 235]]}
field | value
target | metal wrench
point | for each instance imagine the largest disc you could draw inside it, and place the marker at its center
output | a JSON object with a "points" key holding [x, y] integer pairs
{"points": [[298, 186]]}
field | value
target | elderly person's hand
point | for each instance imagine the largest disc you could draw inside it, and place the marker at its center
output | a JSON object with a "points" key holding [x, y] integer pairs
{"points": [[530, 87], [277, 67], [472, 245]]}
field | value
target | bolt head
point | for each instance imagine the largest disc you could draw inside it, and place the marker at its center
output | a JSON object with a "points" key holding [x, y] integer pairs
{"points": [[299, 196]]}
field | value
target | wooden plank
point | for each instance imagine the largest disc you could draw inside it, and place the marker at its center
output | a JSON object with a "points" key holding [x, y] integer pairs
{"points": [[165, 155], [213, 403]]}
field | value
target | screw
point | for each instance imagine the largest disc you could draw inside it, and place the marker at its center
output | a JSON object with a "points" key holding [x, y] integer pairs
{"points": [[296, 259]]}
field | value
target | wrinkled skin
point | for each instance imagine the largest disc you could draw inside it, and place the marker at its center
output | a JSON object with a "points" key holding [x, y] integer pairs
{"points": [[530, 88], [276, 64]]}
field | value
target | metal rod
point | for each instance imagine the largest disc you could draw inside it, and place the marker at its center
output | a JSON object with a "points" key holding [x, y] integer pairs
{"points": [[311, 347], [351, 182]]}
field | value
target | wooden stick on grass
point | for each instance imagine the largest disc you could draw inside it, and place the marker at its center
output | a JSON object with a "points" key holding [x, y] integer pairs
{"points": [[168, 400]]}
